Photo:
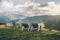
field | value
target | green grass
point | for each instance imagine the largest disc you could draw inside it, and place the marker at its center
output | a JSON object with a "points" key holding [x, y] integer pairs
{"points": [[17, 34]]}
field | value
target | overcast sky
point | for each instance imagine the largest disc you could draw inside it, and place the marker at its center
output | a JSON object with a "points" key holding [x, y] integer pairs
{"points": [[8, 7], [41, 1], [22, 1]]}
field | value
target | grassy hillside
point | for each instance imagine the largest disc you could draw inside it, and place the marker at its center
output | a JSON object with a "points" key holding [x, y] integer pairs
{"points": [[17, 34]]}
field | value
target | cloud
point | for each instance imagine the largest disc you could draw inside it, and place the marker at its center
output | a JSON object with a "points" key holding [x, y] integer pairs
{"points": [[1, 11], [29, 9], [7, 4]]}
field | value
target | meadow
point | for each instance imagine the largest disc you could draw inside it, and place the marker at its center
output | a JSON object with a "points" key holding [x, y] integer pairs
{"points": [[17, 34]]}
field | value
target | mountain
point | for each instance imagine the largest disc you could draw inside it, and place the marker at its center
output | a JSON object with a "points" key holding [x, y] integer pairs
{"points": [[4, 19], [50, 21], [37, 19]]}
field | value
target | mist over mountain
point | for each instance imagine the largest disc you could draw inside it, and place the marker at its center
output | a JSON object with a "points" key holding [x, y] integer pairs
{"points": [[38, 19]]}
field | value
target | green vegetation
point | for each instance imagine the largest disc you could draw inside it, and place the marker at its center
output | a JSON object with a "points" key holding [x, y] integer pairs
{"points": [[17, 34]]}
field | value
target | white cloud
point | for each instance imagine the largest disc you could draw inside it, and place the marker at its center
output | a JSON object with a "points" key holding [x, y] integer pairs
{"points": [[1, 11], [51, 4], [7, 4], [30, 9]]}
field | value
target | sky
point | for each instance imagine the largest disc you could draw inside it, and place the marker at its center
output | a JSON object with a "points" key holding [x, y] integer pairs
{"points": [[42, 1], [22, 1], [50, 0], [29, 7]]}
